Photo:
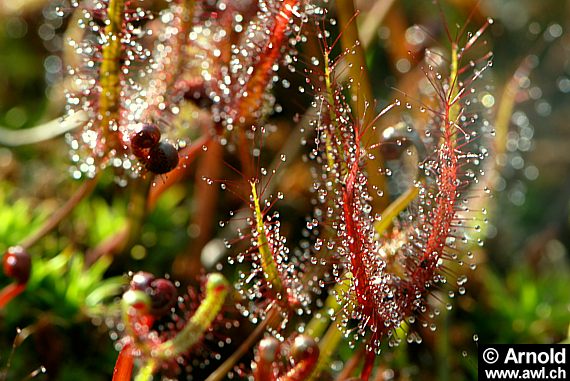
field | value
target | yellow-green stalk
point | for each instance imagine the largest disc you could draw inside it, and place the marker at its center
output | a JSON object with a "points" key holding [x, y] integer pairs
{"points": [[109, 72], [266, 257], [217, 289]]}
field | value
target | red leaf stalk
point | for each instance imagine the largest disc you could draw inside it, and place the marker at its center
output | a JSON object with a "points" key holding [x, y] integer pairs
{"points": [[10, 292], [249, 97], [124, 365], [391, 277]]}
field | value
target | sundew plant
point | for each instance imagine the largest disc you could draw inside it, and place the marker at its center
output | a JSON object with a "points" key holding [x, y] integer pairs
{"points": [[259, 189]]}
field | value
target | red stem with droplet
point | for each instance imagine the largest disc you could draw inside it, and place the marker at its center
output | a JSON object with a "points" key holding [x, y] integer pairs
{"points": [[124, 365]]}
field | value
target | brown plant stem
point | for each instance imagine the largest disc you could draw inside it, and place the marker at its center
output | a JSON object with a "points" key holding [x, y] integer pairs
{"points": [[244, 154], [227, 365], [84, 190], [126, 237], [360, 91], [107, 247], [144, 202], [373, 20], [22, 334], [205, 201], [350, 366], [396, 21], [187, 155]]}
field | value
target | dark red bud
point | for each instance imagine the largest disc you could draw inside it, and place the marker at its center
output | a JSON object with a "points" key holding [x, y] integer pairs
{"points": [[268, 349], [142, 281], [145, 137], [265, 358], [304, 348], [17, 264], [162, 158], [162, 292], [163, 296]]}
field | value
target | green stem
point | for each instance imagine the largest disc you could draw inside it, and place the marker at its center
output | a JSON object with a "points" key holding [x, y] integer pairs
{"points": [[327, 346], [318, 325], [395, 208], [321, 319], [136, 304], [443, 354], [110, 71], [217, 289], [267, 261], [454, 84], [145, 373], [137, 211]]}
